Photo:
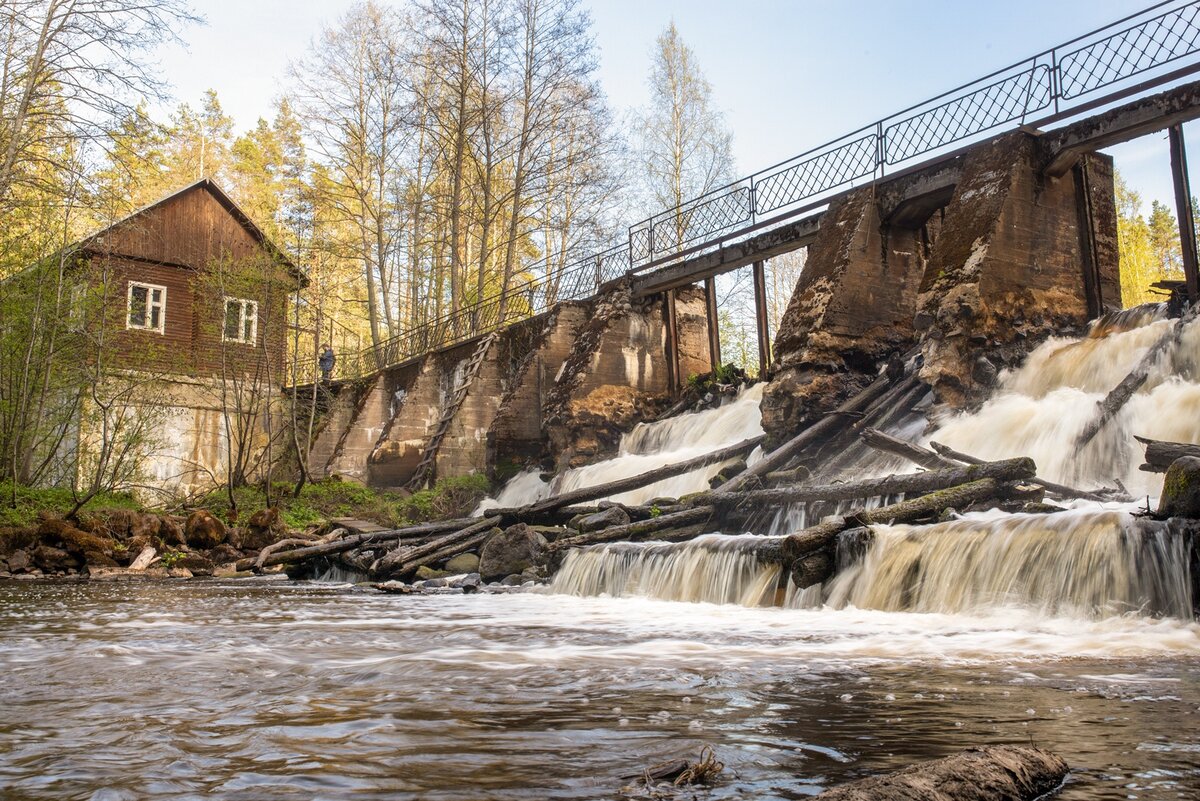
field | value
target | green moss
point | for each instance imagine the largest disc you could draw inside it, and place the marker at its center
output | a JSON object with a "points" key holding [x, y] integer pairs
{"points": [[56, 500]]}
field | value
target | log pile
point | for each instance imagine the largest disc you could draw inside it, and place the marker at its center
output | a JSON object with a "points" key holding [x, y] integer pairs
{"points": [[554, 526]]}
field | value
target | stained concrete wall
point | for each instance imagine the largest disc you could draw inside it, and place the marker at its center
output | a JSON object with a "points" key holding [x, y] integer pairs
{"points": [[1009, 269], [585, 372], [1009, 260]]}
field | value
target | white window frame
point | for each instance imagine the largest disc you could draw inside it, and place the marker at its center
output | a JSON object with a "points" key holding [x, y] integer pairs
{"points": [[244, 304], [162, 307]]}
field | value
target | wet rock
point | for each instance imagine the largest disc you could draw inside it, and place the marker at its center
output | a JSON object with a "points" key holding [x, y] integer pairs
{"points": [[431, 583], [178, 572], [511, 551], [468, 583], [51, 559], [426, 573], [812, 569], [196, 564], [394, 587], [203, 531], [612, 516], [512, 581], [1181, 489], [223, 554], [170, 531], [19, 561], [463, 563], [265, 527]]}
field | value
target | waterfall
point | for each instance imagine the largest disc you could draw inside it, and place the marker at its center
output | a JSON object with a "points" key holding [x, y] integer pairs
{"points": [[1077, 563], [1039, 409], [649, 446], [711, 569]]}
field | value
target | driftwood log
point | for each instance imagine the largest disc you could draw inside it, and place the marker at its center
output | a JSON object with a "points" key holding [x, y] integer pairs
{"points": [[688, 518], [1061, 490], [910, 483], [990, 773], [349, 543], [403, 560], [818, 431], [535, 510], [923, 457], [1122, 392], [1160, 454]]}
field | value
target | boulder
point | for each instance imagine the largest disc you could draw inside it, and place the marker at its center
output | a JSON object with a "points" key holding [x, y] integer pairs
{"points": [[170, 530], [223, 554], [203, 531], [427, 573], [511, 551], [197, 564], [85, 547], [463, 563], [52, 560], [19, 561], [1181, 489], [265, 527]]}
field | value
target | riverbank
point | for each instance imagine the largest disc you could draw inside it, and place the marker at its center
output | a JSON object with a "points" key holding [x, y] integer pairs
{"points": [[41, 538]]}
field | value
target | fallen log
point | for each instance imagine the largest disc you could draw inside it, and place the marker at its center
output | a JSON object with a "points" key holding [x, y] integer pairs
{"points": [[686, 518], [402, 560], [795, 546], [349, 543], [1122, 392], [524, 513], [819, 430], [990, 773], [1061, 490], [910, 483], [922, 457], [1160, 453]]}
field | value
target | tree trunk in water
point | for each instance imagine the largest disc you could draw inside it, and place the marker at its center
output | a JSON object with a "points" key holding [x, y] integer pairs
{"points": [[1160, 454], [686, 518]]}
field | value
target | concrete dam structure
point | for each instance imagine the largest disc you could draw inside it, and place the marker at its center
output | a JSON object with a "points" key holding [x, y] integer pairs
{"points": [[970, 259]]}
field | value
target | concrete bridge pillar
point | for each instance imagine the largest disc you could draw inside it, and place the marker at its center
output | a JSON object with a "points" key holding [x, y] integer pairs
{"points": [[1018, 259], [852, 307]]}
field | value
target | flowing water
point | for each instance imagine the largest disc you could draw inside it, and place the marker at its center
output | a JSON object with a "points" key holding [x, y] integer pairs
{"points": [[1073, 631]]}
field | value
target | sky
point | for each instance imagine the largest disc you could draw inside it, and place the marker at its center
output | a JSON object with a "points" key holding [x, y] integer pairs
{"points": [[788, 74]]}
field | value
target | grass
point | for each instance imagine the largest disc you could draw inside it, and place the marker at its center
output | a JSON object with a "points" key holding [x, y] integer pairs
{"points": [[450, 497], [32, 500]]}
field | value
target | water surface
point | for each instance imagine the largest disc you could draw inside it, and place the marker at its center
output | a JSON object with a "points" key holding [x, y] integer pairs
{"points": [[268, 690]]}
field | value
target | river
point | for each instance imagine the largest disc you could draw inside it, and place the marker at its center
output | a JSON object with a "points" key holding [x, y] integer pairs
{"points": [[266, 689]]}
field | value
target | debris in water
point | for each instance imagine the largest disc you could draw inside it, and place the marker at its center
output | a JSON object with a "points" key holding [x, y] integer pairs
{"points": [[658, 781]]}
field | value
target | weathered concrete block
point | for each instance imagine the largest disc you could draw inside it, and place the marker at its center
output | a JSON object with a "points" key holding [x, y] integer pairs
{"points": [[1008, 268]]}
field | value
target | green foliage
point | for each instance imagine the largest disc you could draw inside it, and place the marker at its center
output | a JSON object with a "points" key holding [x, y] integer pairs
{"points": [[56, 500], [171, 558], [655, 511], [450, 497]]}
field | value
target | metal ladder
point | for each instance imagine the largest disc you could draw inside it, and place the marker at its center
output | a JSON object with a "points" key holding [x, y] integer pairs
{"points": [[443, 425]]}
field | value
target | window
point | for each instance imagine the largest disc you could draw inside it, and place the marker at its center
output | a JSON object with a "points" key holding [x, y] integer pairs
{"points": [[147, 307], [241, 320]]}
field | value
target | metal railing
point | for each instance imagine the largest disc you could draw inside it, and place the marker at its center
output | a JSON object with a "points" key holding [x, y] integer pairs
{"points": [[1158, 44]]}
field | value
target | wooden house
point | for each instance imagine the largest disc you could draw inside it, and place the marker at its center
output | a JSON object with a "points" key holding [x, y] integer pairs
{"points": [[195, 297]]}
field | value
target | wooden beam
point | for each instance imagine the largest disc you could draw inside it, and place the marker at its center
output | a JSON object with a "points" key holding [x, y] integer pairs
{"points": [[760, 315], [1184, 211], [714, 327]]}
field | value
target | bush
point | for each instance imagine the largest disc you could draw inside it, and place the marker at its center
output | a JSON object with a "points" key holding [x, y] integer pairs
{"points": [[55, 500]]}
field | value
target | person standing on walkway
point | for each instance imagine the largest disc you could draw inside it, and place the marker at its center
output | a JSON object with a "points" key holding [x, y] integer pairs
{"points": [[326, 362]]}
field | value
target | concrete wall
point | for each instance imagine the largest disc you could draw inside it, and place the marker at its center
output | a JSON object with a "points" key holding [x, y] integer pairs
{"points": [[596, 367], [1010, 258]]}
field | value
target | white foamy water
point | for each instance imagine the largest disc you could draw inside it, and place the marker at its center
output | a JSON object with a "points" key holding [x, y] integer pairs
{"points": [[647, 447], [1040, 409]]}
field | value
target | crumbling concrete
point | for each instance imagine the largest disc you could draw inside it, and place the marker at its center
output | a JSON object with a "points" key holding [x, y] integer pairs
{"points": [[1009, 269]]}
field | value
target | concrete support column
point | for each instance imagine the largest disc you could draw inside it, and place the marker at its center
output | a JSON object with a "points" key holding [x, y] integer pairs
{"points": [[1184, 211], [714, 329], [760, 316]]}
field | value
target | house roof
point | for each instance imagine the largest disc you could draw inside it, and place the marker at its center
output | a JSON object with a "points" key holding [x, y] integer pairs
{"points": [[229, 205]]}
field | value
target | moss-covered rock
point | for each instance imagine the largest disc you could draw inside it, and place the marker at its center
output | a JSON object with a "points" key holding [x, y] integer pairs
{"points": [[1181, 489]]}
